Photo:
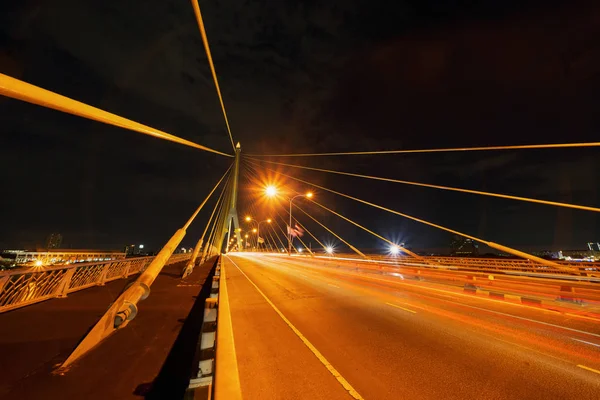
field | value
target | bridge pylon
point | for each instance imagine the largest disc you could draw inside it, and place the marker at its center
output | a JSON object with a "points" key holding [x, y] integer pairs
{"points": [[232, 216]]}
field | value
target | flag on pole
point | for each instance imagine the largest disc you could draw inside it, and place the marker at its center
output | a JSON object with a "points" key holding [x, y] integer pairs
{"points": [[296, 231]]}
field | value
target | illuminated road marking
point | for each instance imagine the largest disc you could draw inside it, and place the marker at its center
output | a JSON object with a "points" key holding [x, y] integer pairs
{"points": [[394, 282], [402, 308], [308, 344], [588, 368], [531, 320], [413, 285], [333, 285], [590, 343], [583, 316]]}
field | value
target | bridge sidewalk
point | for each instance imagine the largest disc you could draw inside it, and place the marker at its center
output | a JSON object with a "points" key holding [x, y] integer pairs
{"points": [[34, 339]]}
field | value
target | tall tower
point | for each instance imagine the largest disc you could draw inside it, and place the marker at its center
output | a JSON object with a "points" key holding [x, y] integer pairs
{"points": [[233, 215]]}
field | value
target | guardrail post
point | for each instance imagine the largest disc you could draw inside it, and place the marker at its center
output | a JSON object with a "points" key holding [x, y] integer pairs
{"points": [[104, 273], [3, 281], [469, 286], [568, 294], [206, 361], [63, 288], [126, 269]]}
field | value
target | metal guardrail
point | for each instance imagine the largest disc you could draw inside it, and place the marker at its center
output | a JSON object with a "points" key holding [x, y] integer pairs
{"points": [[24, 286], [483, 264], [217, 360], [584, 289]]}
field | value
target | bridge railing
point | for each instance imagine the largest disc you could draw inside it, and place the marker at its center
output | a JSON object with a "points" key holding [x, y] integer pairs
{"points": [[28, 285], [480, 264]]}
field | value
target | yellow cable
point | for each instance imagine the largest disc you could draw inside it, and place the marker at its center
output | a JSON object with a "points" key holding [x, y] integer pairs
{"points": [[491, 244], [212, 66], [368, 230], [215, 208], [451, 149], [499, 195], [333, 233], [309, 232], [24, 91], [189, 222]]}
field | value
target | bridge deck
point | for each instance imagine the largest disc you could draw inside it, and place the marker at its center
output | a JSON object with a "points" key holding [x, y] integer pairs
{"points": [[36, 338], [393, 338]]}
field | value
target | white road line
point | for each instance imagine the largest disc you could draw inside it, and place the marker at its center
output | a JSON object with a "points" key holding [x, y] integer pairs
{"points": [[589, 369], [480, 298], [530, 320], [590, 343], [308, 344], [402, 308]]}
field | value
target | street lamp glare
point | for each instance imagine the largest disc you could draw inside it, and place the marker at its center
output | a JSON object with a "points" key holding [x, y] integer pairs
{"points": [[248, 218], [309, 195], [254, 230], [329, 249], [269, 220], [271, 191]]}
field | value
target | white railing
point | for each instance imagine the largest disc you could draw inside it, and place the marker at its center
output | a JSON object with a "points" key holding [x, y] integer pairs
{"points": [[27, 285]]}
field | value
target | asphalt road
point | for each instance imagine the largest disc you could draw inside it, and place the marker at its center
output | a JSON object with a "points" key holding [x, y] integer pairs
{"points": [[308, 332]]}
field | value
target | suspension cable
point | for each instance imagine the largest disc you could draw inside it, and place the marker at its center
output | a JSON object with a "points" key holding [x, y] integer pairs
{"points": [[20, 90], [450, 149], [215, 207], [308, 231], [188, 223], [332, 232], [427, 185], [212, 66], [368, 230], [297, 237], [490, 244]]}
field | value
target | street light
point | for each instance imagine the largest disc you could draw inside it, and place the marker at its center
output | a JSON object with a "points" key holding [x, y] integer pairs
{"points": [[307, 195], [271, 191], [257, 229]]}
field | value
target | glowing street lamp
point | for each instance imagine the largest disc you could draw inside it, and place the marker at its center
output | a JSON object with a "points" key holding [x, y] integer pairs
{"points": [[329, 249], [271, 191], [394, 250], [307, 195]]}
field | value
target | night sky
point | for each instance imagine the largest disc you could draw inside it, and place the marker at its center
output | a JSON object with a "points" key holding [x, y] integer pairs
{"points": [[301, 76]]}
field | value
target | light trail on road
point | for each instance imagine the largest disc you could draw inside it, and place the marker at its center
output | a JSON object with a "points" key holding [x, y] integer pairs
{"points": [[392, 338]]}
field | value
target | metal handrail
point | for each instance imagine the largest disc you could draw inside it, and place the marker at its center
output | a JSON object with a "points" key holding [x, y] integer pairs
{"points": [[24, 286]]}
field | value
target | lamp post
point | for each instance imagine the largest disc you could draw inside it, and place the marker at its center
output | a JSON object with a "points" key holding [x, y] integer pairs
{"points": [[308, 195], [250, 219]]}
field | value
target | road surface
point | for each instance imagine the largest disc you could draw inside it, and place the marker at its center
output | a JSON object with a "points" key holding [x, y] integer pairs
{"points": [[306, 332]]}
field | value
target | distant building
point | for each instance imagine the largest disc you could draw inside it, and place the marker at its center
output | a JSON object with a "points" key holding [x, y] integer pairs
{"points": [[548, 254], [463, 247], [54, 241], [578, 255], [134, 250], [594, 246], [58, 257]]}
